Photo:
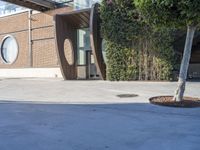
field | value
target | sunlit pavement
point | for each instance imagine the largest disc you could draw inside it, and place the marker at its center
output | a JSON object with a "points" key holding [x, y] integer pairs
{"points": [[51, 114]]}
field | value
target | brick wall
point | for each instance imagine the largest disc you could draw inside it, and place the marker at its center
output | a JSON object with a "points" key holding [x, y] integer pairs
{"points": [[43, 42], [14, 23], [17, 26], [44, 51], [44, 54]]}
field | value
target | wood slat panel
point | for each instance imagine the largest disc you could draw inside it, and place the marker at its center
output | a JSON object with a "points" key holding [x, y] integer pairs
{"points": [[96, 41], [66, 26], [64, 30]]}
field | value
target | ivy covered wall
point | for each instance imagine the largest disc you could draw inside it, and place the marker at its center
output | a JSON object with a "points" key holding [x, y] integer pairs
{"points": [[134, 50]]}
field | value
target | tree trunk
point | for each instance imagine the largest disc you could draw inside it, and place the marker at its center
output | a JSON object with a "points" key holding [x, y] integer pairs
{"points": [[185, 64]]}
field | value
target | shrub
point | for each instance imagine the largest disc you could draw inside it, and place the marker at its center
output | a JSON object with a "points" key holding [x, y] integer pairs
{"points": [[135, 51]]}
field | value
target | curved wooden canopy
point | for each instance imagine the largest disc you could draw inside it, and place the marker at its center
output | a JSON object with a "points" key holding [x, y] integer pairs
{"points": [[96, 40], [66, 26]]}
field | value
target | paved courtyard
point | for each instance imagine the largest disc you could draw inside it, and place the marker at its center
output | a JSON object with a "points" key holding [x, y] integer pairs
{"points": [[51, 114]]}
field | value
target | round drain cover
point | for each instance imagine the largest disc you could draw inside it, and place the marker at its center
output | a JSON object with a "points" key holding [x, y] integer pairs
{"points": [[127, 95]]}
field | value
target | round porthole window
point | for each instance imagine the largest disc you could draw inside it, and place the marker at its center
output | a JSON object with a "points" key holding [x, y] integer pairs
{"points": [[68, 50], [9, 50]]}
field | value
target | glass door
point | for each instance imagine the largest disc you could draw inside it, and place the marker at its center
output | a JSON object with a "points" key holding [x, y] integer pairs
{"points": [[85, 60]]}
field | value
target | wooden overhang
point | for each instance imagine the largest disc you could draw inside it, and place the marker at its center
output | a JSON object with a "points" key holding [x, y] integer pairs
{"points": [[77, 18], [66, 25]]}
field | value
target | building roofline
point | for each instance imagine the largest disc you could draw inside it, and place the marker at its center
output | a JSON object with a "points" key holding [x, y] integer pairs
{"points": [[15, 13]]}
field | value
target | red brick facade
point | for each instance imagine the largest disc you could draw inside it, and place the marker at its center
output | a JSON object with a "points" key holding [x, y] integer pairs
{"points": [[42, 38]]}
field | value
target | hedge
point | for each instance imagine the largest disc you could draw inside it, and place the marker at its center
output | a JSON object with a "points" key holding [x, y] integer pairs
{"points": [[134, 50]]}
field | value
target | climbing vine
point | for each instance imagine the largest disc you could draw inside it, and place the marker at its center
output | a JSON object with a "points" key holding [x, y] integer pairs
{"points": [[134, 50]]}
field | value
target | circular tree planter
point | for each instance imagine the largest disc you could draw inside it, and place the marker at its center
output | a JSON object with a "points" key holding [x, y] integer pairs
{"points": [[188, 102]]}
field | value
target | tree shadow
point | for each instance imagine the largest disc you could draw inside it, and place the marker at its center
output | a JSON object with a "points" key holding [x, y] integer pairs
{"points": [[126, 126]]}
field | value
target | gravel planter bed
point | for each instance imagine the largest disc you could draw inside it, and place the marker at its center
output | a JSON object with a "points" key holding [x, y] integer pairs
{"points": [[188, 102]]}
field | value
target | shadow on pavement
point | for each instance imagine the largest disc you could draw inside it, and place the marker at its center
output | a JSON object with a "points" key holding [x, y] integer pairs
{"points": [[139, 126]]}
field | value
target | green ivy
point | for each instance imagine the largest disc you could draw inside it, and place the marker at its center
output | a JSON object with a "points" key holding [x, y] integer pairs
{"points": [[134, 50], [120, 62]]}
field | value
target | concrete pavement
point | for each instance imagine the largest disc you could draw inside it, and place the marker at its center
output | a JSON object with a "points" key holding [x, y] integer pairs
{"points": [[51, 114]]}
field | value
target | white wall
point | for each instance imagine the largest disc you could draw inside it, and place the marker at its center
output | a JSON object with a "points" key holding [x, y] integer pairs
{"points": [[31, 73]]}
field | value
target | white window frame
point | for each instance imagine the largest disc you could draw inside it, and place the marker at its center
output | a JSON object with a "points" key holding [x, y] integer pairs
{"points": [[1, 48]]}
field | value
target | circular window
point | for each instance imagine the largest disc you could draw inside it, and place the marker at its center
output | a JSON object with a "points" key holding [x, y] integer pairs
{"points": [[9, 49], [68, 51]]}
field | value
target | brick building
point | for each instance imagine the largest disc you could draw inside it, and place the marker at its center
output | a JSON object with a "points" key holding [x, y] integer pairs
{"points": [[33, 35], [61, 43]]}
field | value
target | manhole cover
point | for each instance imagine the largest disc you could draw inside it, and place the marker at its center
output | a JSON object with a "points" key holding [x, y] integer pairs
{"points": [[127, 95]]}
